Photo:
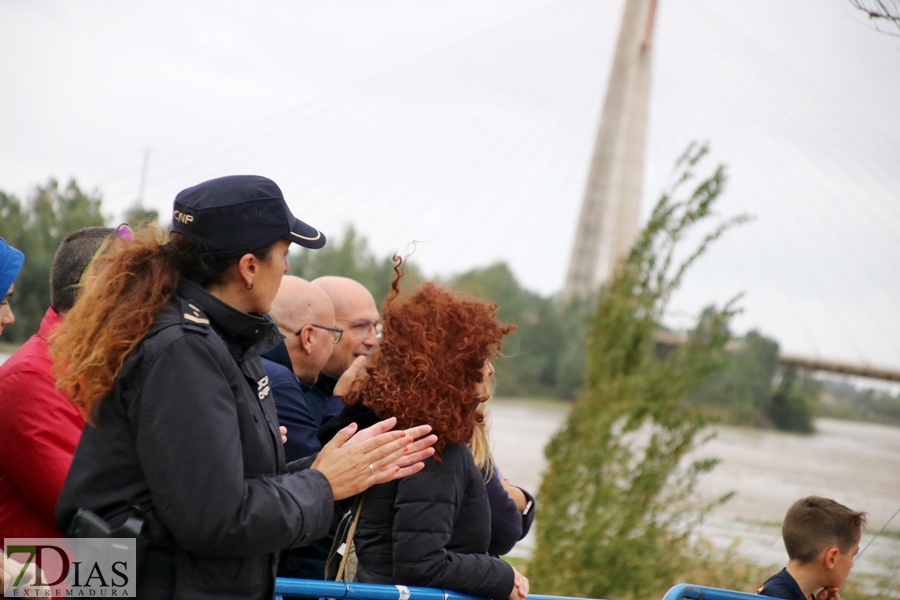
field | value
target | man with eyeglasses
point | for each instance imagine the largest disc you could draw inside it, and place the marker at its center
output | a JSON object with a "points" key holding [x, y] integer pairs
{"points": [[355, 313], [304, 315]]}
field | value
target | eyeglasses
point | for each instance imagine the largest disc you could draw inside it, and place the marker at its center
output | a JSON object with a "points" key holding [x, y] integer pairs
{"points": [[336, 332], [365, 326], [123, 231]]}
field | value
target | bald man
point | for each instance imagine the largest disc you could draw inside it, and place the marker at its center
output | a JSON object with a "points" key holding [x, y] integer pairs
{"points": [[355, 312], [304, 315]]}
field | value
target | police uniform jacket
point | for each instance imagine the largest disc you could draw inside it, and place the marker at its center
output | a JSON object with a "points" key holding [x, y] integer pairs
{"points": [[189, 439], [432, 529]]}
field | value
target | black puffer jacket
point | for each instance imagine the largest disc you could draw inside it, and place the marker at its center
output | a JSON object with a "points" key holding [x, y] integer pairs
{"points": [[189, 435], [432, 529]]}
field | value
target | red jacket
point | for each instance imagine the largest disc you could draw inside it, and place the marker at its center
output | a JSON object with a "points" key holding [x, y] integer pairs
{"points": [[39, 429]]}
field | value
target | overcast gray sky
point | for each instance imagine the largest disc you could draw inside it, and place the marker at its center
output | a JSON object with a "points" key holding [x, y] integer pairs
{"points": [[469, 125]]}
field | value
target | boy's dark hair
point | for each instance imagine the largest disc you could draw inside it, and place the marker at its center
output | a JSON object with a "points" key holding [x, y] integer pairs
{"points": [[813, 523], [71, 259]]}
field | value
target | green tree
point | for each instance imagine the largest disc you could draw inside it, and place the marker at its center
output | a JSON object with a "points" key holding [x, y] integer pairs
{"points": [[573, 317], [12, 220], [740, 390], [137, 216], [743, 392], [792, 406], [531, 356], [37, 228], [616, 503], [843, 400]]}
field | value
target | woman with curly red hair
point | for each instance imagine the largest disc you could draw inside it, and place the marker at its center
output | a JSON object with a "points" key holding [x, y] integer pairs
{"points": [[433, 528]]}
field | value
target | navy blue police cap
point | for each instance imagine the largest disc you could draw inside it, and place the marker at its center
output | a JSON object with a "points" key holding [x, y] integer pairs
{"points": [[231, 216]]}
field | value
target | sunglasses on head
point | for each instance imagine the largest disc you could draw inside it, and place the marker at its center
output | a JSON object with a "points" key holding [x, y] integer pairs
{"points": [[123, 231]]}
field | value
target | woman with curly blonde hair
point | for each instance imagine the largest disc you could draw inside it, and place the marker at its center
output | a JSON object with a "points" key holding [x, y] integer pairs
{"points": [[162, 352], [433, 528]]}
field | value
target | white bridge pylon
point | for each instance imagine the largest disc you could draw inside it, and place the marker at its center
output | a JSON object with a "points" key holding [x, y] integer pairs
{"points": [[610, 209]]}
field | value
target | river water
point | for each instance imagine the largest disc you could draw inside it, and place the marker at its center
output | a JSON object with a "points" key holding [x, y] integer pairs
{"points": [[857, 464]]}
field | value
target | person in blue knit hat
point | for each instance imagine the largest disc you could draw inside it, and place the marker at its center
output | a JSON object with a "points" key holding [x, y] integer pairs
{"points": [[10, 264]]}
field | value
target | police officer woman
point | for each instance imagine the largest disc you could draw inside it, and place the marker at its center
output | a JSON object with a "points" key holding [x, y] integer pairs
{"points": [[162, 353]]}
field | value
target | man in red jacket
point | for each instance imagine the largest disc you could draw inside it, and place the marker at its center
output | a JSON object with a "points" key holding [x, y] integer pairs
{"points": [[39, 427]]}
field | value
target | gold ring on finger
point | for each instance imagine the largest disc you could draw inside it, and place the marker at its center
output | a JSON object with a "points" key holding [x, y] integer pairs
{"points": [[371, 469]]}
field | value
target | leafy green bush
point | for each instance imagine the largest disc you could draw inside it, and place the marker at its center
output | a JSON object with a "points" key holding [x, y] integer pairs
{"points": [[616, 502]]}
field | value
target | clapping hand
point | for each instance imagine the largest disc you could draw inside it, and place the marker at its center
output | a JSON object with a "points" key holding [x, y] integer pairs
{"points": [[354, 461]]}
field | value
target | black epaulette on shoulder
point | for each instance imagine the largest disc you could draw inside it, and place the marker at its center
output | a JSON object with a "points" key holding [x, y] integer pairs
{"points": [[192, 317]]}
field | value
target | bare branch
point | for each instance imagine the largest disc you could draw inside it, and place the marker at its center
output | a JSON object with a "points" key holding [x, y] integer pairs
{"points": [[881, 12]]}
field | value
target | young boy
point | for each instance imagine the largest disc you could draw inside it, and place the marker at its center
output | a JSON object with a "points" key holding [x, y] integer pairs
{"points": [[821, 538]]}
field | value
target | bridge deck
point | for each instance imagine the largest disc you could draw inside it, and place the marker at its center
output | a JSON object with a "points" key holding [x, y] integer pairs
{"points": [[670, 339]]}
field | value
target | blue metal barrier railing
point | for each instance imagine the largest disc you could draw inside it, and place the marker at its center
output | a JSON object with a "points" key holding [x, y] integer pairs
{"points": [[314, 588], [701, 592]]}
